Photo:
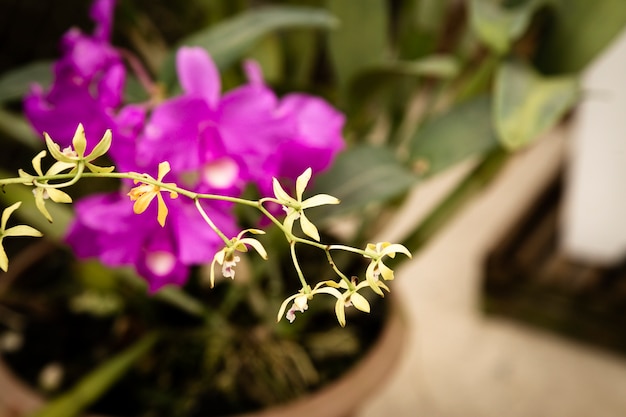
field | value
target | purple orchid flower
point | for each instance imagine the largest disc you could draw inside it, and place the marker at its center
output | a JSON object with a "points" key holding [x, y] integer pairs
{"points": [[214, 143], [161, 255], [87, 89], [248, 130]]}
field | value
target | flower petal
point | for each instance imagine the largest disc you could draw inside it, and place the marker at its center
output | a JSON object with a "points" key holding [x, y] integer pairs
{"points": [[41, 204], [385, 271], [360, 302], [58, 196], [103, 146], [309, 228], [7, 213], [164, 168], [22, 230], [162, 210], [198, 74], [4, 259], [319, 200], [340, 312], [37, 162], [371, 280], [142, 202], [79, 142], [302, 181], [396, 248], [283, 306], [55, 151], [279, 193], [257, 246]]}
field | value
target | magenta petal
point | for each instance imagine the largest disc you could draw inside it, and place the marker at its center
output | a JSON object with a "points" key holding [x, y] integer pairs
{"points": [[173, 134], [58, 114], [105, 226], [197, 242], [158, 263], [198, 74], [101, 12], [253, 71], [318, 138]]}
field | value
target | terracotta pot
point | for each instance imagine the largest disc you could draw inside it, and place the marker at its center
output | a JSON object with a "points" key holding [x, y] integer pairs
{"points": [[341, 398]]}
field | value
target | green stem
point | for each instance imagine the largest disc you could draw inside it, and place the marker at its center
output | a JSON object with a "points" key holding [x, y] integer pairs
{"points": [[333, 265], [294, 258], [76, 176], [212, 225]]}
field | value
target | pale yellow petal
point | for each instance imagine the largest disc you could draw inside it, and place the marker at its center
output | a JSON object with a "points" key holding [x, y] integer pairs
{"points": [[58, 196], [102, 147], [79, 141], [37, 162], [94, 168], [371, 280], [257, 246], [22, 230], [319, 200], [279, 193], [41, 204], [340, 312], [359, 302], [4, 259], [55, 151], [385, 271], [301, 182], [283, 307], [7, 213], [309, 228], [396, 248]]}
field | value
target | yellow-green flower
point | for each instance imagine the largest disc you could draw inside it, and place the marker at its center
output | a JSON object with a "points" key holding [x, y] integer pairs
{"points": [[21, 230], [42, 191], [349, 297], [227, 257], [294, 207], [376, 268], [143, 194], [74, 155]]}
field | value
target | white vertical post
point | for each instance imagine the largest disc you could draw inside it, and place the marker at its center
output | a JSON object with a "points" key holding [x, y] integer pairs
{"points": [[594, 220]]}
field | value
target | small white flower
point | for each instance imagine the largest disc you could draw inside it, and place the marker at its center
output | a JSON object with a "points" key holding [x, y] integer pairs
{"points": [[226, 256], [294, 207], [228, 268], [300, 303]]}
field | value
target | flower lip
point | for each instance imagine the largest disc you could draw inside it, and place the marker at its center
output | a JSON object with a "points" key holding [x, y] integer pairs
{"points": [[161, 262]]}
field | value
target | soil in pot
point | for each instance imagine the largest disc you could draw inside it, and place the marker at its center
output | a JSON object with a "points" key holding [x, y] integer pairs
{"points": [[70, 322]]}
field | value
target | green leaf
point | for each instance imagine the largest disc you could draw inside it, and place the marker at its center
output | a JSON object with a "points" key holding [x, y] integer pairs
{"points": [[361, 39], [96, 383], [431, 14], [362, 175], [527, 104], [498, 26], [15, 126], [579, 31], [463, 131], [231, 39], [14, 84]]}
